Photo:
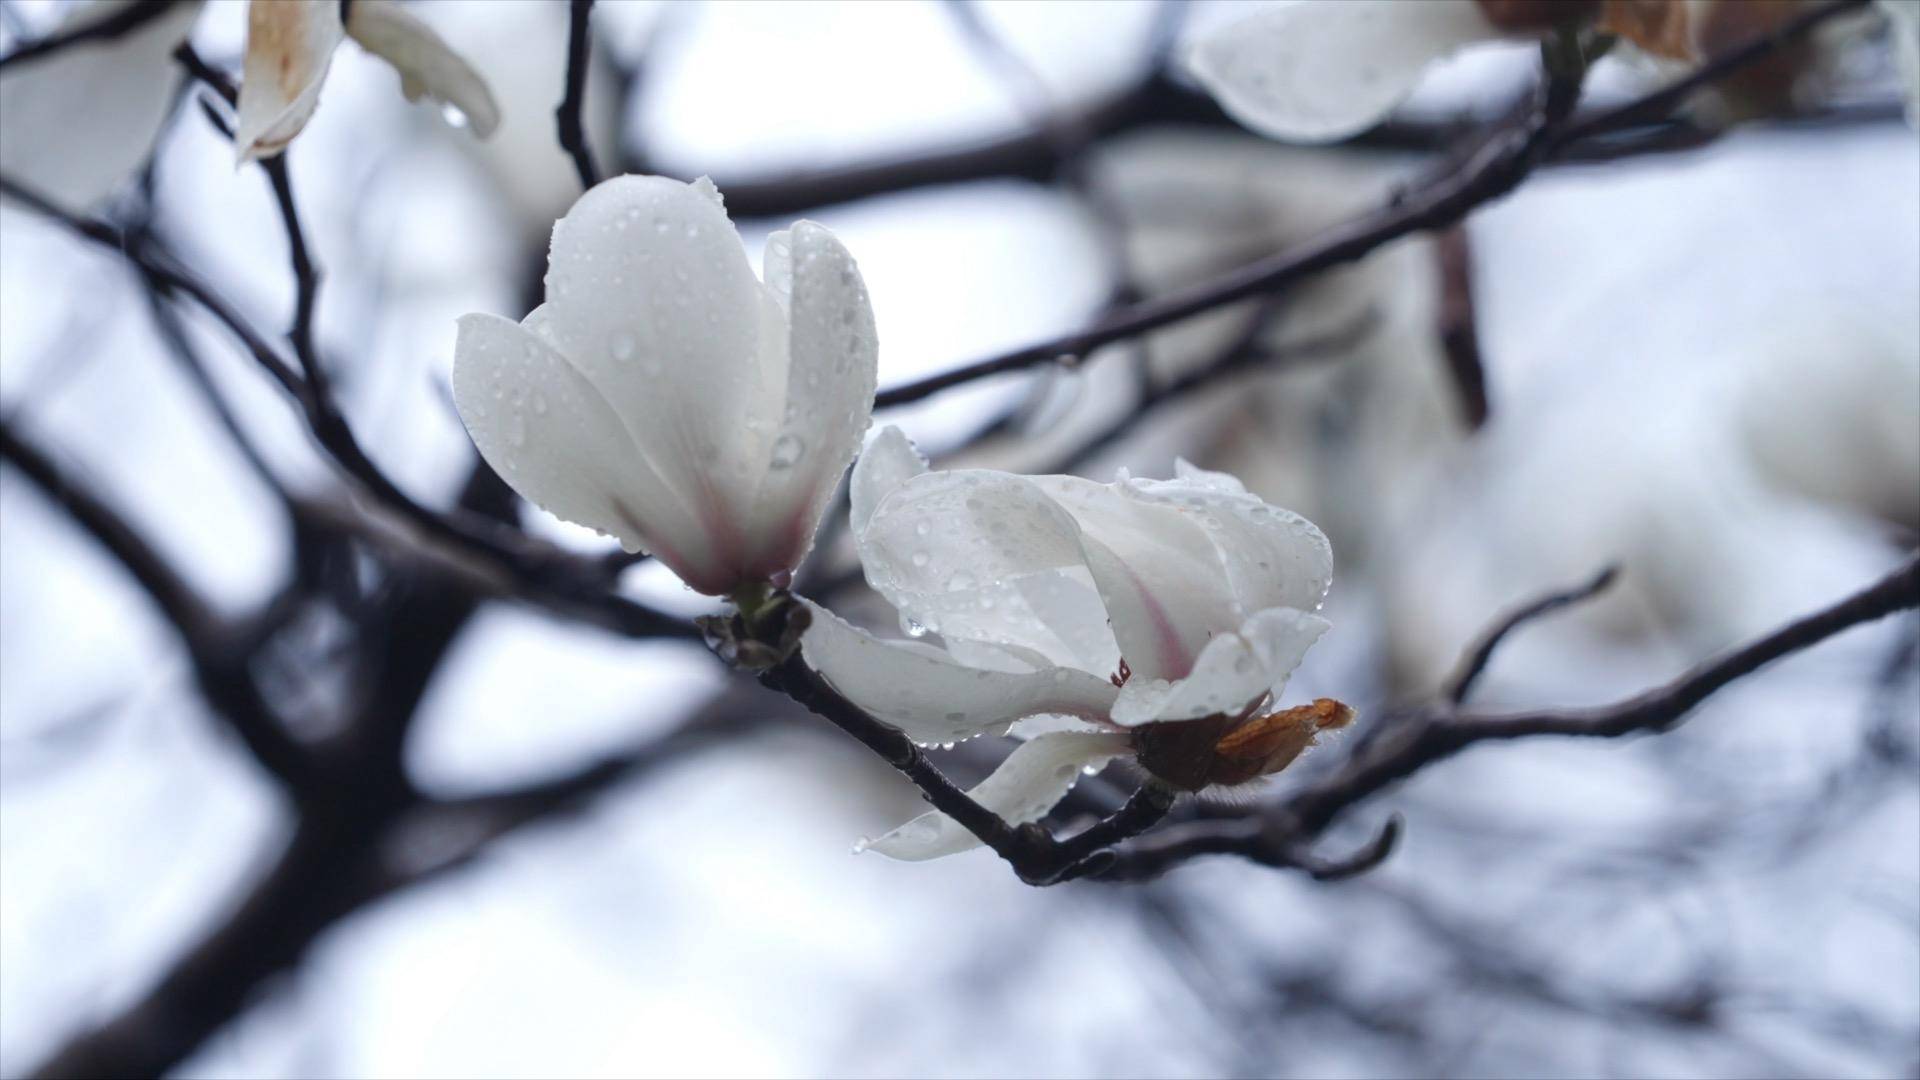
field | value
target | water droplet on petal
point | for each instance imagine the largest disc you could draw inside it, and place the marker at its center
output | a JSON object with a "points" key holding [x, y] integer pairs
{"points": [[621, 346], [921, 558], [960, 581], [453, 116], [787, 451], [922, 528]]}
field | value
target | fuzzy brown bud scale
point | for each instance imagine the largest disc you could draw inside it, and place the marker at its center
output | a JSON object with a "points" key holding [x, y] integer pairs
{"points": [[1223, 750]]}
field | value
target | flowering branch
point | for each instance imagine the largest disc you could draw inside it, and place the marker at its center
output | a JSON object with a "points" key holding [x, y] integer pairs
{"points": [[1505, 157], [1411, 741], [764, 639]]}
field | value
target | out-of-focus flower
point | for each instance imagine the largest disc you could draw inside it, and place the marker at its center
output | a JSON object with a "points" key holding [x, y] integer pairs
{"points": [[664, 396], [1161, 619], [1324, 70], [80, 120], [290, 45]]}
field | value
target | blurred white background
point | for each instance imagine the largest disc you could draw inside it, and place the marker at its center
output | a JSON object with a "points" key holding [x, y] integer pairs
{"points": [[1703, 365]]}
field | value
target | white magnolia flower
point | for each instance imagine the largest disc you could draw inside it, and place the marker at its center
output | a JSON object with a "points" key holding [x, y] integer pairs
{"points": [[1162, 619], [81, 119], [290, 45], [664, 396], [1324, 70]]}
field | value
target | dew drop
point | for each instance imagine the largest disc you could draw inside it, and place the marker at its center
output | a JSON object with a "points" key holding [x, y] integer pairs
{"points": [[922, 528], [921, 558], [621, 346], [453, 116], [787, 451], [913, 629], [539, 404], [960, 581]]}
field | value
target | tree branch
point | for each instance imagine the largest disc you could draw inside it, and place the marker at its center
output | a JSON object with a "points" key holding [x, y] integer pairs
{"points": [[1412, 741], [215, 649], [572, 134], [536, 571], [1498, 166]]}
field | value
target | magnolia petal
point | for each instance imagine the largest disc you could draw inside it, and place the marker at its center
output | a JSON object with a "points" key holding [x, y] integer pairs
{"points": [[652, 300], [1271, 557], [80, 120], [1037, 775], [553, 437], [1156, 571], [425, 62], [934, 698], [289, 47], [1187, 473], [1323, 70], [834, 357], [1234, 670], [888, 461], [987, 556]]}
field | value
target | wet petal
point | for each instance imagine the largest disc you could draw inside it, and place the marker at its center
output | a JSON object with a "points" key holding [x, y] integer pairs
{"points": [[79, 121], [1233, 670], [1037, 775], [1322, 70], [830, 377], [934, 698], [553, 437], [1271, 557], [988, 556], [289, 46], [1156, 571], [889, 461], [652, 299], [427, 66]]}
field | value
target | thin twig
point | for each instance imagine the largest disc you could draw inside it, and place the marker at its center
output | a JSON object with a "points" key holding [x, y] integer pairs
{"points": [[1482, 653], [573, 135], [116, 24], [1459, 329], [566, 583]]}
